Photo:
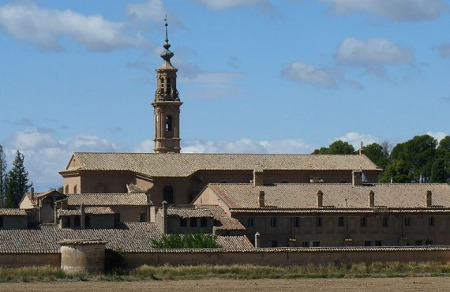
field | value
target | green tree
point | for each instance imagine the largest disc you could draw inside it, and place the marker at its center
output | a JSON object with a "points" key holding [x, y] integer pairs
{"points": [[337, 147], [379, 154], [418, 154], [440, 172], [188, 240], [17, 183], [396, 172], [3, 176]]}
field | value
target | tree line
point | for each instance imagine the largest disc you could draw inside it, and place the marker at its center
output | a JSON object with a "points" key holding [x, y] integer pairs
{"points": [[13, 183], [420, 159]]}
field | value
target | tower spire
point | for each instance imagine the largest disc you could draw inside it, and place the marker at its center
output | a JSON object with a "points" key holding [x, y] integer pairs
{"points": [[167, 54]]}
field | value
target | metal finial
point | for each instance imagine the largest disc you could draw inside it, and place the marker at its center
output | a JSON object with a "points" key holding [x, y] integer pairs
{"points": [[167, 37], [167, 54]]}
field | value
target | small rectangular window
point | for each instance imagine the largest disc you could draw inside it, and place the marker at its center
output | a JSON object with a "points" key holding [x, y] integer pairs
{"points": [[250, 222], [193, 222], [431, 221], [305, 243], [319, 222], [429, 242], [367, 243], [87, 221], [316, 243], [76, 221], [203, 222], [341, 221], [183, 222], [407, 221], [296, 222], [273, 222], [418, 242], [142, 217], [274, 243], [377, 242], [385, 222], [363, 221]]}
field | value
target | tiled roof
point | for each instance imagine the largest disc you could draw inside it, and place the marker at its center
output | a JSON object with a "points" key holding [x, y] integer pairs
{"points": [[227, 223], [130, 237], [185, 164], [87, 210], [108, 199], [345, 196], [188, 211], [12, 212]]}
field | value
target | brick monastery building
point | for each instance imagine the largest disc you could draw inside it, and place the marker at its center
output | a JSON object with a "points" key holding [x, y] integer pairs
{"points": [[248, 200]]}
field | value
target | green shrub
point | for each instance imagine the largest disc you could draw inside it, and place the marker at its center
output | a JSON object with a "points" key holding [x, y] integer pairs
{"points": [[188, 240]]}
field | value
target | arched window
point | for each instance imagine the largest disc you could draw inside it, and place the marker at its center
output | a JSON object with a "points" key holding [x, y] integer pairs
{"points": [[169, 86], [168, 194], [168, 123], [66, 191], [75, 189]]}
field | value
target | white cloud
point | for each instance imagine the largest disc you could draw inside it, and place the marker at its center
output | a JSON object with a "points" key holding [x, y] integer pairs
{"points": [[45, 155], [246, 145], [227, 4], [438, 135], [372, 52], [27, 22], [394, 10], [355, 139], [152, 10], [310, 74]]}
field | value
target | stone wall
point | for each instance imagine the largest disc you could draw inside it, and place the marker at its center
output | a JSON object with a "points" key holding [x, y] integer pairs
{"points": [[289, 256], [17, 260]]}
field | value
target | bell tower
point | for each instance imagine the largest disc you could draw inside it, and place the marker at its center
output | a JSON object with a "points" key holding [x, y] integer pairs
{"points": [[167, 105]]}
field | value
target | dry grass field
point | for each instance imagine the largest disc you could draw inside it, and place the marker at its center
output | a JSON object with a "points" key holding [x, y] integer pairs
{"points": [[358, 284]]}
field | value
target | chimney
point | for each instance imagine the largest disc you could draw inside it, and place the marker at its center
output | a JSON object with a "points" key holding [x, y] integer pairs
{"points": [[371, 199], [258, 177], [319, 199], [164, 214], [149, 199], [257, 240], [429, 199], [83, 214], [32, 194], [261, 202], [357, 177]]}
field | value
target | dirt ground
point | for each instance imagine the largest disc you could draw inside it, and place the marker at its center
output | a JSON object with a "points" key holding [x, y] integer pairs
{"points": [[385, 284]]}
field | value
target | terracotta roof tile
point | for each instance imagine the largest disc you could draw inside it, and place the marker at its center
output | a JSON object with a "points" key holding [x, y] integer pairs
{"points": [[108, 199], [185, 164], [345, 196], [129, 237], [12, 212], [188, 211]]}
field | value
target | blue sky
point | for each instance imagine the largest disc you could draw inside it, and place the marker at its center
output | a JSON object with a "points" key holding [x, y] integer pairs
{"points": [[255, 76]]}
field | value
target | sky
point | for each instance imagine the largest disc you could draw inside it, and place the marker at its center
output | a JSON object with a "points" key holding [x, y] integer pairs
{"points": [[255, 76]]}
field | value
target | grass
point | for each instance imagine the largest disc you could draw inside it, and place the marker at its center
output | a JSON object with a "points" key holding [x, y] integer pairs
{"points": [[360, 270]]}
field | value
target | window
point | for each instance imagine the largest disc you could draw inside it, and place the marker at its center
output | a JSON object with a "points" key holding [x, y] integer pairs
{"points": [[316, 243], [168, 194], [168, 85], [76, 221], [274, 243], [367, 243], [341, 221], [87, 221], [407, 221], [66, 190], [193, 222], [296, 222], [429, 242], [431, 221], [75, 189], [203, 222], [183, 222], [385, 222], [418, 242], [65, 222], [305, 243], [319, 222], [377, 242], [363, 221], [142, 217], [168, 123], [1, 222], [273, 222], [250, 222]]}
